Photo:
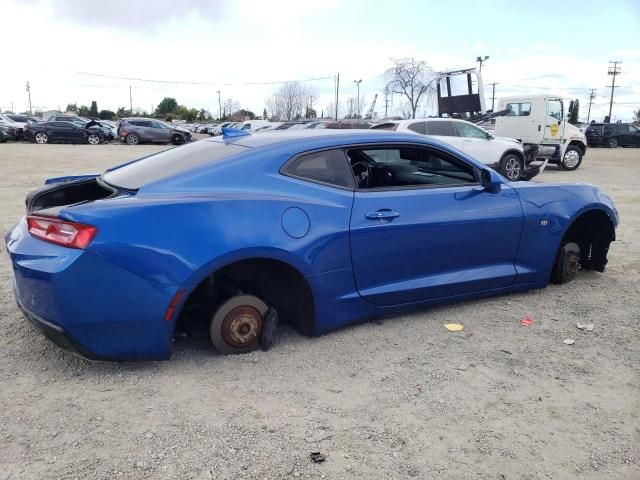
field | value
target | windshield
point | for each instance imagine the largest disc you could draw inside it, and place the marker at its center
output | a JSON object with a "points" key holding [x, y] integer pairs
{"points": [[169, 163]]}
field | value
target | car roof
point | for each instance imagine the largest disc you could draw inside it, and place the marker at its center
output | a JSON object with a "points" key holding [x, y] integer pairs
{"points": [[302, 139]]}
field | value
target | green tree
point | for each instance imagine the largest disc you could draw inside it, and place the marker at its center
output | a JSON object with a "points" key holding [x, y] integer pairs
{"points": [[573, 114], [106, 114], [72, 107], [93, 111], [310, 113], [264, 114], [203, 114], [121, 113], [83, 111], [166, 106], [636, 116]]}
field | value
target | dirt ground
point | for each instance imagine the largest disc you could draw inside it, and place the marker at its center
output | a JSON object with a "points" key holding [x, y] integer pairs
{"points": [[394, 399]]}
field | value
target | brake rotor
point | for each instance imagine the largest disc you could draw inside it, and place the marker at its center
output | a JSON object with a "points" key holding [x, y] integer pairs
{"points": [[241, 327]]}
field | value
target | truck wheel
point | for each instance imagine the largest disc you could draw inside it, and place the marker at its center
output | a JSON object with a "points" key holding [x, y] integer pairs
{"points": [[567, 264], [511, 166], [236, 326], [571, 159], [613, 143]]}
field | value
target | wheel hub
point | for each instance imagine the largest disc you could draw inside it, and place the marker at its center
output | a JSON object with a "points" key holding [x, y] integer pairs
{"points": [[241, 326], [573, 264], [571, 158]]}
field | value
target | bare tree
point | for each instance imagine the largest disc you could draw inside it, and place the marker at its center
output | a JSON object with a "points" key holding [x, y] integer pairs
{"points": [[412, 79], [288, 102]]}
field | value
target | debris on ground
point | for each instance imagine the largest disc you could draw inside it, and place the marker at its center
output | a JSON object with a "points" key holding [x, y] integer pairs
{"points": [[568, 341], [527, 321], [586, 327], [454, 327], [317, 457], [506, 351], [318, 437]]}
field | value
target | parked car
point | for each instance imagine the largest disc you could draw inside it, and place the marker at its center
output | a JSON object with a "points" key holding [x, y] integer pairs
{"points": [[503, 154], [613, 135], [109, 129], [148, 130], [5, 134], [15, 127], [68, 118], [327, 229], [65, 132], [348, 124], [253, 125]]}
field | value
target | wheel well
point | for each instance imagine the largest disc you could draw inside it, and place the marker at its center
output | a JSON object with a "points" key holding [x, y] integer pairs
{"points": [[593, 231], [579, 145], [277, 283], [514, 152]]}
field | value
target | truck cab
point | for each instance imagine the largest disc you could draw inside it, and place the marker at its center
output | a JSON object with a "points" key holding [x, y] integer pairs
{"points": [[541, 120]]}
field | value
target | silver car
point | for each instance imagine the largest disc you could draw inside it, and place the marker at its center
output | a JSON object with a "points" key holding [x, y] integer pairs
{"points": [[148, 130]]}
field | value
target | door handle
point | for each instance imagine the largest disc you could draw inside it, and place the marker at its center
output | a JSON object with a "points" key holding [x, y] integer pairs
{"points": [[383, 214], [539, 126]]}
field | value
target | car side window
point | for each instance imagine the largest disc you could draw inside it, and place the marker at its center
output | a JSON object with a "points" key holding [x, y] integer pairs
{"points": [[518, 109], [417, 127], [157, 125], [327, 166], [468, 130], [442, 128], [633, 129], [408, 167]]}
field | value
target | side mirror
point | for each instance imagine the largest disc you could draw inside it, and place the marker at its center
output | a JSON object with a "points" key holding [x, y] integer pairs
{"points": [[490, 181], [489, 136]]}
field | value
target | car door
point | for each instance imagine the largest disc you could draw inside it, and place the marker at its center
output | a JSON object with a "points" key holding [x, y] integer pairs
{"points": [[423, 228], [634, 135], [160, 132], [60, 131], [443, 130], [554, 126], [477, 144]]}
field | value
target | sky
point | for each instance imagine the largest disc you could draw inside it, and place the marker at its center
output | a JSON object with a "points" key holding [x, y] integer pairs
{"points": [[76, 51]]}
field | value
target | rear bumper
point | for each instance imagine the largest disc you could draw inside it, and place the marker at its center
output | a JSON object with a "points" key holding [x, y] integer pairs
{"points": [[85, 303], [59, 336]]}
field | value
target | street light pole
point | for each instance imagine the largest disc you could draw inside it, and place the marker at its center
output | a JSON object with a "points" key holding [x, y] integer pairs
{"points": [[219, 107], [482, 59], [358, 82]]}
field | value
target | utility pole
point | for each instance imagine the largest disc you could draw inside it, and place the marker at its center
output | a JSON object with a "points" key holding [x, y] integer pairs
{"points": [[613, 70], [130, 102], [337, 94], [29, 93], [350, 107], [386, 103], [592, 95], [482, 59], [310, 102], [219, 106], [358, 82], [493, 94], [12, 110]]}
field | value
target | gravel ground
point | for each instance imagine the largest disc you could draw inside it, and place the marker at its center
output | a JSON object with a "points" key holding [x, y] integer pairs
{"points": [[399, 398]]}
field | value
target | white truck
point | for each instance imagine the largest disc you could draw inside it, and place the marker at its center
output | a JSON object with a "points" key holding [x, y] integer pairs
{"points": [[542, 120]]}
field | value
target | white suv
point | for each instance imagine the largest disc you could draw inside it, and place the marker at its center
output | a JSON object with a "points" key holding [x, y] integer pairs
{"points": [[503, 154]]}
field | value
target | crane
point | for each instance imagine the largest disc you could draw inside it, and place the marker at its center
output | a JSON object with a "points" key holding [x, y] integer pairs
{"points": [[369, 114]]}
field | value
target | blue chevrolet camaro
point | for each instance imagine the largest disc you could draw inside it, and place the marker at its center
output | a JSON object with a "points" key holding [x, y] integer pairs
{"points": [[317, 228]]}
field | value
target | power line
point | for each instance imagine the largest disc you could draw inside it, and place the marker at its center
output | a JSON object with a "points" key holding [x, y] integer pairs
{"points": [[178, 82]]}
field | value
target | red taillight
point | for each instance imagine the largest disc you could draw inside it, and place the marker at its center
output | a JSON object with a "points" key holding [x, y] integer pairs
{"points": [[61, 232], [172, 306]]}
